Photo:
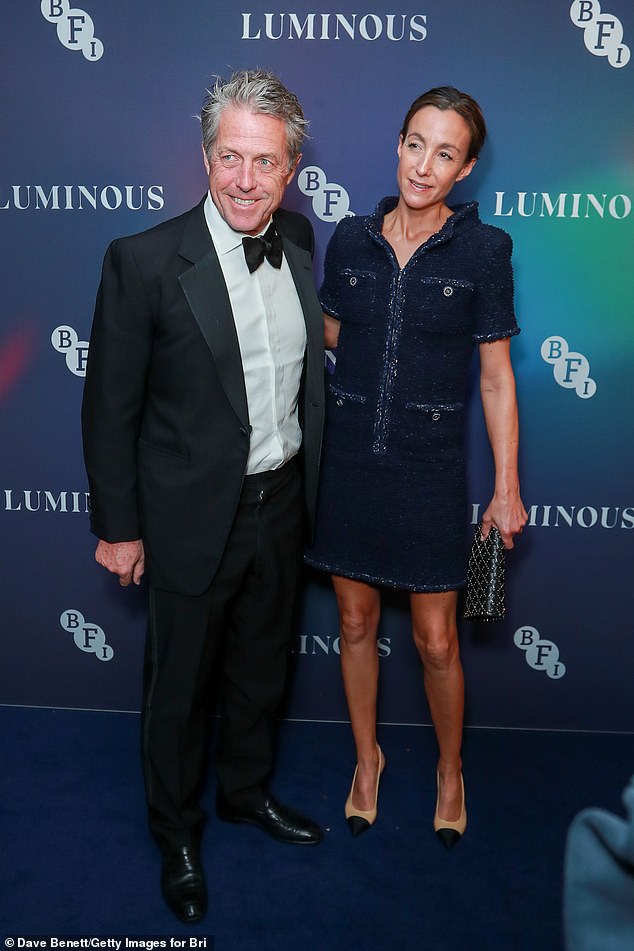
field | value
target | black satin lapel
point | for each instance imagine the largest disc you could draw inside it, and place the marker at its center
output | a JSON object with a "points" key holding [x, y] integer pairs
{"points": [[206, 293], [301, 267]]}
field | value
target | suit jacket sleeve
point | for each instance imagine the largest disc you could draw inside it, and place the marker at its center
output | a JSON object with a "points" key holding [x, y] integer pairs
{"points": [[114, 391]]}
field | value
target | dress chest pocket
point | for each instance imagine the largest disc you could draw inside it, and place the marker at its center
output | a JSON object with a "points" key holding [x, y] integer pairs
{"points": [[357, 292], [442, 305]]}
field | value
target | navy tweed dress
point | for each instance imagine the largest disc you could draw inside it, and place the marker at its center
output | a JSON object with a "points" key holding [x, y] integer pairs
{"points": [[392, 506]]}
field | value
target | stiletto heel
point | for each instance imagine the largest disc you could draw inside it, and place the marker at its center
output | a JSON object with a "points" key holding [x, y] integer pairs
{"points": [[450, 832], [360, 820]]}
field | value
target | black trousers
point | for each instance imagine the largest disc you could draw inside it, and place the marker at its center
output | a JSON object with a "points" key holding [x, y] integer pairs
{"points": [[243, 621]]}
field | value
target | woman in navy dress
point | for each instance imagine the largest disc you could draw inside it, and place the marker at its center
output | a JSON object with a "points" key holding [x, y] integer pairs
{"points": [[408, 292]]}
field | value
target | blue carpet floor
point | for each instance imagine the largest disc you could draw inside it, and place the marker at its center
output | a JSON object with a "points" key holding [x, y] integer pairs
{"points": [[76, 858]]}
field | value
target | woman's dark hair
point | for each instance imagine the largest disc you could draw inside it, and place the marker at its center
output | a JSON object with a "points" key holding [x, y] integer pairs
{"points": [[446, 97]]}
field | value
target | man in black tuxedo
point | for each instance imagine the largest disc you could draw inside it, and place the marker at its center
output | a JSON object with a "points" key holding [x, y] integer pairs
{"points": [[202, 419]]}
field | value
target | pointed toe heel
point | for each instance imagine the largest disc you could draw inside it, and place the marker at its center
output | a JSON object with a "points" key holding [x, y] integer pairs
{"points": [[357, 825], [360, 820], [448, 837], [447, 831]]}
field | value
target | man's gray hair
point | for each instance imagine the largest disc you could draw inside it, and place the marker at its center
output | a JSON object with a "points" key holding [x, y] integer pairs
{"points": [[258, 91]]}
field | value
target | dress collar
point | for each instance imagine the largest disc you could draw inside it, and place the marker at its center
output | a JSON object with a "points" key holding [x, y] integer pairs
{"points": [[460, 213]]}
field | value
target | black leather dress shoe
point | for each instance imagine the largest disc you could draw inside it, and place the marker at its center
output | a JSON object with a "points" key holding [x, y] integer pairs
{"points": [[183, 884], [273, 817]]}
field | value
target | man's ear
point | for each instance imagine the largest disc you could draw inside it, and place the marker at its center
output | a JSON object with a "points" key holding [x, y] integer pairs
{"points": [[205, 159], [291, 174]]}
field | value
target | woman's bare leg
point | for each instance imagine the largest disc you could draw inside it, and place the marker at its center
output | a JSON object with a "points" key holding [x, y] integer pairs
{"points": [[359, 613], [436, 638]]}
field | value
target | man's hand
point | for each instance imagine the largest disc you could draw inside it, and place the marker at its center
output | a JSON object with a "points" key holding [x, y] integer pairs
{"points": [[125, 559]]}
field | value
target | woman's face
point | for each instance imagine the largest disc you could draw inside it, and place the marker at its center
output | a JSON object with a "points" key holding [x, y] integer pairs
{"points": [[433, 157]]}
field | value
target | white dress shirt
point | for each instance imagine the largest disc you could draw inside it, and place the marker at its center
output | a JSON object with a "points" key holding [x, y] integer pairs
{"points": [[272, 338]]}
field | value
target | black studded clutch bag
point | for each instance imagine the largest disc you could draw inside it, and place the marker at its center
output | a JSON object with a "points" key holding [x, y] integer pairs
{"points": [[485, 578]]}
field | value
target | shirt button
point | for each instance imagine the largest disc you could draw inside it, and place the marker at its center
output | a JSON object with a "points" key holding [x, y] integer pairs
{"points": [[339, 402], [447, 291], [353, 281], [435, 415]]}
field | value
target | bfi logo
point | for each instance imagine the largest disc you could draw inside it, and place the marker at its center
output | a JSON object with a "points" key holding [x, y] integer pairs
{"points": [[602, 32], [570, 369], [330, 200], [75, 28], [540, 655], [65, 340], [88, 637]]}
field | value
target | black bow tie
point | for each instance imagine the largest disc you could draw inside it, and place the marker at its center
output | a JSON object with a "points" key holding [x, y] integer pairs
{"points": [[269, 246]]}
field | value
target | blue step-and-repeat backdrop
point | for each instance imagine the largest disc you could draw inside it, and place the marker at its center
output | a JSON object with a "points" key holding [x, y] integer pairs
{"points": [[99, 138]]}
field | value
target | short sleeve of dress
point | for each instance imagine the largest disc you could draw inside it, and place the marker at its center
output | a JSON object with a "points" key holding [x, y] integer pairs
{"points": [[495, 313], [330, 291]]}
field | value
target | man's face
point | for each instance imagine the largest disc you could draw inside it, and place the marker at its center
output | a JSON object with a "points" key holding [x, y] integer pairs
{"points": [[248, 168]]}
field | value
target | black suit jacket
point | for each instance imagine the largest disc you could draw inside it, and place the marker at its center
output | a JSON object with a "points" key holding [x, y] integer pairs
{"points": [[164, 416]]}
